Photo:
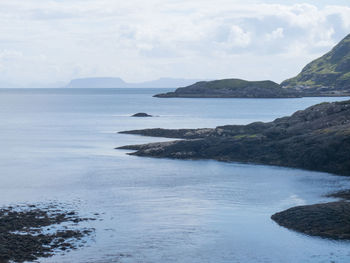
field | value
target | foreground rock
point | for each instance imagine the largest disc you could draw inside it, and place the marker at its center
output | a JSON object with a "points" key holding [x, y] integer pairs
{"points": [[329, 220], [317, 138], [28, 232], [141, 114], [231, 88]]}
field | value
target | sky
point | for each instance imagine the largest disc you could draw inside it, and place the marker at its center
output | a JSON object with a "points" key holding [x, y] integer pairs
{"points": [[47, 41]]}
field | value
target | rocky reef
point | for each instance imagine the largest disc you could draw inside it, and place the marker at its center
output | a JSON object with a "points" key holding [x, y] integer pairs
{"points": [[231, 88], [141, 114], [317, 138]]}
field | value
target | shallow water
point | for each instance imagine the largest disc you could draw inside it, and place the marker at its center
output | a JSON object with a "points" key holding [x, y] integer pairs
{"points": [[58, 145]]}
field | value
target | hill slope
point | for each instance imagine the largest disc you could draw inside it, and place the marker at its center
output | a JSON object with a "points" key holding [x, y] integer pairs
{"points": [[329, 74]]}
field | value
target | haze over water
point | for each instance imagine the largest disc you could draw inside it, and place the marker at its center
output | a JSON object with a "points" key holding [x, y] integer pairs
{"points": [[58, 145]]}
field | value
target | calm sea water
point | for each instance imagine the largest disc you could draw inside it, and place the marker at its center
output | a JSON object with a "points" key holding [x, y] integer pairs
{"points": [[58, 145]]}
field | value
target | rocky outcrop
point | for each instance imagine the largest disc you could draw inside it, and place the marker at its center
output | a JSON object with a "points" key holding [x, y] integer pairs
{"points": [[231, 88], [329, 220], [141, 114], [317, 138]]}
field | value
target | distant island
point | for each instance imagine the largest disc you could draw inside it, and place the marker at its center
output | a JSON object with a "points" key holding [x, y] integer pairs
{"points": [[232, 88], [325, 76]]}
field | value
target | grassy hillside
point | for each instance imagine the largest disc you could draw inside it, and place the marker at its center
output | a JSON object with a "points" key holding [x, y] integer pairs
{"points": [[329, 73]]}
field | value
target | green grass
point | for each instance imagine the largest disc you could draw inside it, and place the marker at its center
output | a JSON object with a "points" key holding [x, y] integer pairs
{"points": [[244, 136]]}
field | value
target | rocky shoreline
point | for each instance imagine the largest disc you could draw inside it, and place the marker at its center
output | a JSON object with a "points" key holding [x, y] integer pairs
{"points": [[317, 138], [31, 231]]}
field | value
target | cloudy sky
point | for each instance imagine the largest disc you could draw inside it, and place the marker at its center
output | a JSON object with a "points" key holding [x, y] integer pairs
{"points": [[137, 40]]}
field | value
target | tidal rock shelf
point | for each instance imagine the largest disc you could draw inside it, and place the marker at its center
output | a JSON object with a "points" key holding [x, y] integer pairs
{"points": [[32, 231]]}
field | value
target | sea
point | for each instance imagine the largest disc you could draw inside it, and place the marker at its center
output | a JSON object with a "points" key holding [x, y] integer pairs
{"points": [[58, 145]]}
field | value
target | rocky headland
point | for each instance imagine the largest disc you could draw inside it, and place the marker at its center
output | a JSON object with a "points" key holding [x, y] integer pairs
{"points": [[317, 138]]}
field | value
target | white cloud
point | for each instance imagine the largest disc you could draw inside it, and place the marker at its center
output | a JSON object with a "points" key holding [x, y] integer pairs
{"points": [[238, 37], [137, 40], [275, 34]]}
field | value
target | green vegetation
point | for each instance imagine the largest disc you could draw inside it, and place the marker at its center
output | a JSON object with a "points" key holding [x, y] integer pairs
{"points": [[245, 136]]}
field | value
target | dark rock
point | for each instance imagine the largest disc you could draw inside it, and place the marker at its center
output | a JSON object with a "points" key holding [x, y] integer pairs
{"points": [[141, 114], [345, 195], [26, 233], [329, 220]]}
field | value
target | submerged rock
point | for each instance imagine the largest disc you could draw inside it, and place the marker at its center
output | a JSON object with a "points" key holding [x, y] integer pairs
{"points": [[329, 220], [141, 114]]}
